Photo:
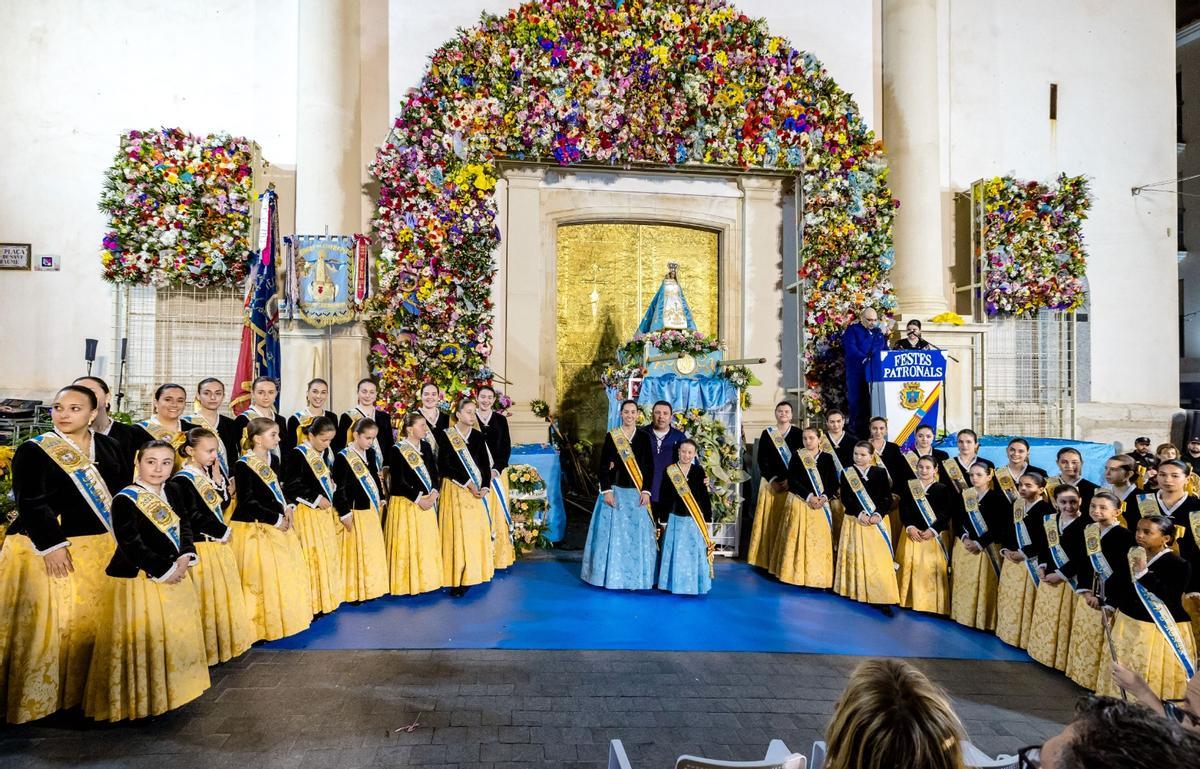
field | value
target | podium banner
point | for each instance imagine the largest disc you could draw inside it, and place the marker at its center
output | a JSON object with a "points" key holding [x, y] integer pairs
{"points": [[906, 388]]}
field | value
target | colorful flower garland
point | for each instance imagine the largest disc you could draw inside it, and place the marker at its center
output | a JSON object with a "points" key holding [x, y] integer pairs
{"points": [[178, 209], [608, 81], [1033, 245]]}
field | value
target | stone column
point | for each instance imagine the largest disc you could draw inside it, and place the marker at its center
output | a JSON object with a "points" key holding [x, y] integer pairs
{"points": [[528, 309], [329, 173], [761, 310], [911, 128]]}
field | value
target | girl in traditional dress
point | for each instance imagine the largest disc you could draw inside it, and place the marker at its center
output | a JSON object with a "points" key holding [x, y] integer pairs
{"points": [[926, 510], [431, 408], [1151, 632], [167, 423], [309, 486], [685, 508], [104, 424], [1054, 604], [984, 516], [1183, 509], [53, 558], [839, 444], [150, 655], [358, 497], [368, 394], [210, 396], [1070, 473], [270, 558], [804, 548], [1120, 473], [621, 544], [495, 433], [463, 513], [264, 390], [1008, 476], [955, 469], [197, 495], [1019, 577], [316, 395], [1102, 557], [865, 561], [776, 447], [414, 548]]}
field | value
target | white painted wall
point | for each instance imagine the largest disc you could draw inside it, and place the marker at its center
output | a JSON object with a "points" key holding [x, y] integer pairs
{"points": [[75, 75]]}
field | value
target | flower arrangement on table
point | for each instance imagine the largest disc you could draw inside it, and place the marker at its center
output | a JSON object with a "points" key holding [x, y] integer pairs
{"points": [[179, 209], [1033, 245], [8, 505], [668, 341], [528, 503], [666, 82], [718, 456]]}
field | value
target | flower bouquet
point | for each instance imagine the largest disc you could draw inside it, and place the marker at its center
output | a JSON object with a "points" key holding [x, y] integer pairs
{"points": [[527, 504]]}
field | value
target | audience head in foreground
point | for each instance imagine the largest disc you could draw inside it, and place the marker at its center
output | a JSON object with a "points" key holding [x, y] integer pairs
{"points": [[891, 715], [1107, 733]]}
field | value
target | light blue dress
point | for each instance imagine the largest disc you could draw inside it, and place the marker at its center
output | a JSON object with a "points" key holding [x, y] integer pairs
{"points": [[621, 549], [684, 569]]}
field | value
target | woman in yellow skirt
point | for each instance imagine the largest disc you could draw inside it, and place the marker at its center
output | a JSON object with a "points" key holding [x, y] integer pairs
{"points": [[270, 559], [210, 396], [316, 396], [414, 547], [308, 484], [200, 499], [1102, 554], [149, 656], [982, 513], [1151, 632], [1054, 604], [495, 433], [926, 511], [804, 545], [1019, 578], [463, 514], [52, 561], [865, 568], [167, 423], [776, 446], [359, 502]]}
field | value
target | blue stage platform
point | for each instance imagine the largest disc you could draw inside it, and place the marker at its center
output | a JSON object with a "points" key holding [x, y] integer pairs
{"points": [[543, 604]]}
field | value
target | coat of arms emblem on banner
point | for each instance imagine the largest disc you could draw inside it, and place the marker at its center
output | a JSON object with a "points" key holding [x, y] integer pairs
{"points": [[911, 396]]}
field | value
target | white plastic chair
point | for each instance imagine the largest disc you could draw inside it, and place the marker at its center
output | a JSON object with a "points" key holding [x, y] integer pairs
{"points": [[616, 756], [818, 755], [778, 757], [974, 757]]}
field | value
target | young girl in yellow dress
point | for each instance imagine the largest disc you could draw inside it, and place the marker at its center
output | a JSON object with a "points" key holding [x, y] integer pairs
{"points": [[776, 446], [53, 558], [316, 396], [358, 497], [494, 427], [149, 656], [414, 546], [270, 559], [367, 393], [865, 568], [1102, 555], [1054, 604], [983, 516], [308, 484], [463, 514], [167, 423], [210, 396], [264, 391], [926, 511], [1151, 632], [199, 498], [804, 547], [1019, 578], [1120, 475]]}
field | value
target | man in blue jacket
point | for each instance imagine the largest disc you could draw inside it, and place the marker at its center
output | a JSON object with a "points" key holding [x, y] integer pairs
{"points": [[861, 341]]}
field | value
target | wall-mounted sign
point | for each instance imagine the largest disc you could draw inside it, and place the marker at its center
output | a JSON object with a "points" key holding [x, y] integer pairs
{"points": [[47, 262], [15, 256]]}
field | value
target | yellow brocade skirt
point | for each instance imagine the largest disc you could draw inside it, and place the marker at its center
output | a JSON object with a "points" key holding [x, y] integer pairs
{"points": [[803, 553], [226, 621], [769, 513], [1192, 607], [318, 533], [865, 570], [414, 548], [924, 577], [47, 625], [363, 557], [1087, 647], [1014, 604], [466, 538], [1141, 648], [274, 579], [504, 554], [1050, 631], [149, 655], [973, 585]]}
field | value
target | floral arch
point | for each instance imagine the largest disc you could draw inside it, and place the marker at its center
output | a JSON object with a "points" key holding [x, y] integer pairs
{"points": [[669, 83]]}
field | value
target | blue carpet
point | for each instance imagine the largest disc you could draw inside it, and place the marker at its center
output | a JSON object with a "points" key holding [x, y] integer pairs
{"points": [[544, 605]]}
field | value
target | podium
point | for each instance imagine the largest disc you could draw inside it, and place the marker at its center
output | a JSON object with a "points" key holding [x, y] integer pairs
{"points": [[906, 387]]}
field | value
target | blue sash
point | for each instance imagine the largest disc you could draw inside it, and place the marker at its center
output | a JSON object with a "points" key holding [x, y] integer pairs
{"points": [[1023, 539], [927, 514], [785, 453], [1165, 623], [82, 472], [854, 478], [500, 495], [363, 474], [207, 492], [200, 420], [415, 461], [459, 444], [814, 477], [1091, 538], [267, 476], [154, 508], [971, 505], [316, 463], [1050, 523]]}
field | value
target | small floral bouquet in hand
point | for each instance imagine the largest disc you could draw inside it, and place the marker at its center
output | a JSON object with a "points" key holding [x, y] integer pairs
{"points": [[528, 505]]}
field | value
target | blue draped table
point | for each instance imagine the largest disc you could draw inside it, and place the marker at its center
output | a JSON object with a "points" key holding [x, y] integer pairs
{"points": [[1042, 453], [543, 458]]}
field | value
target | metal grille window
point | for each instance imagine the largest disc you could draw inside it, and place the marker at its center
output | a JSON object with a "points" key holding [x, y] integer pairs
{"points": [[179, 335]]}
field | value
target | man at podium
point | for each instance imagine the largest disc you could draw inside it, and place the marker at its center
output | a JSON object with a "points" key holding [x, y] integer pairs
{"points": [[861, 341]]}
